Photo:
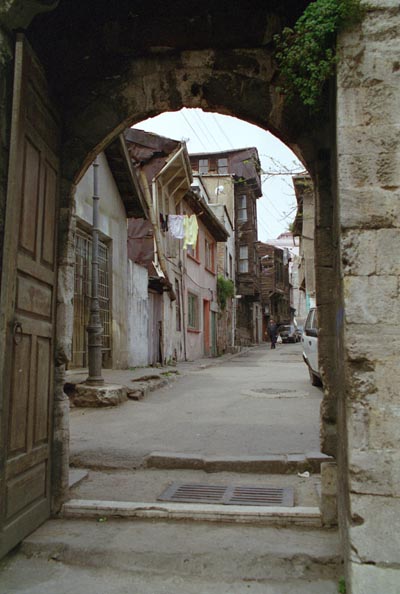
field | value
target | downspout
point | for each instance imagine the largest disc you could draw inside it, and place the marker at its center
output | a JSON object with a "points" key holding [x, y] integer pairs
{"points": [[156, 228]]}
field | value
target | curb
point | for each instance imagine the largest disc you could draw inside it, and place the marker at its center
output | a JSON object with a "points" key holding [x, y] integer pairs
{"points": [[269, 464]]}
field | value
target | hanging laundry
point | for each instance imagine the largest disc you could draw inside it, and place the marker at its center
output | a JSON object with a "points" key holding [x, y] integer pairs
{"points": [[191, 231], [175, 224], [163, 222]]}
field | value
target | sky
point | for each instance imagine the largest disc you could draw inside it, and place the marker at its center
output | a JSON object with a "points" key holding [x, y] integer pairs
{"points": [[210, 132]]}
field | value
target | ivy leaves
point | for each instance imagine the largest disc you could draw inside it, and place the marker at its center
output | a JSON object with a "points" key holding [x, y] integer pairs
{"points": [[306, 54]]}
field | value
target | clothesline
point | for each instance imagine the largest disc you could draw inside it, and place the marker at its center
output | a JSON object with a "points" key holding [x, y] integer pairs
{"points": [[181, 227]]}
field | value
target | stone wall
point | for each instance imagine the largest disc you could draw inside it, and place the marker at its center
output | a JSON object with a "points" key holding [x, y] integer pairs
{"points": [[368, 153]]}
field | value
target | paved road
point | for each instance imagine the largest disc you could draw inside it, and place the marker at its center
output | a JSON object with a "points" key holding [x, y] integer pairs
{"points": [[260, 402]]}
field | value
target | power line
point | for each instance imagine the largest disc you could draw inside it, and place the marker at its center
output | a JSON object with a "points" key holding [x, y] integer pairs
{"points": [[205, 127], [222, 130], [195, 133]]}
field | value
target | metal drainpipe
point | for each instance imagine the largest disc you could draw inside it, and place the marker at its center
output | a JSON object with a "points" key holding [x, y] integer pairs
{"points": [[95, 328]]}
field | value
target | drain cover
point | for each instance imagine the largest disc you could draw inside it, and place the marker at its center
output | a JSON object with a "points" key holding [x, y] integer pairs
{"points": [[228, 494]]}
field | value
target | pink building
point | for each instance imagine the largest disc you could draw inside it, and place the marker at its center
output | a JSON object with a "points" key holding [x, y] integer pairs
{"points": [[200, 280]]}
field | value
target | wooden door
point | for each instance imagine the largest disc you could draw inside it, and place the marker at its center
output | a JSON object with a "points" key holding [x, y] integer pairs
{"points": [[28, 294]]}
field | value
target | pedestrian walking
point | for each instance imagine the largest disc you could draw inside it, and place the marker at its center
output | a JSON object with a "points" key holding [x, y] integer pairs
{"points": [[272, 331]]}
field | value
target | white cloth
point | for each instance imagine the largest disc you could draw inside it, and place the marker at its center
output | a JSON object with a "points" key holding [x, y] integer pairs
{"points": [[175, 226]]}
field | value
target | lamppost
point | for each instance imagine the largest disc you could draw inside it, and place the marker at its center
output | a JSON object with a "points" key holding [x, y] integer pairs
{"points": [[95, 328]]}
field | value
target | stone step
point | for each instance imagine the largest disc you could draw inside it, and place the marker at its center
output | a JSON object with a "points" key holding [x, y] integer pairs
{"points": [[235, 514], [206, 551], [148, 484], [20, 574], [271, 463]]}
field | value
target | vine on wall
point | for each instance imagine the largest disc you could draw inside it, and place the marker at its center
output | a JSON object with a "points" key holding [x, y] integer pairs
{"points": [[306, 54], [225, 289]]}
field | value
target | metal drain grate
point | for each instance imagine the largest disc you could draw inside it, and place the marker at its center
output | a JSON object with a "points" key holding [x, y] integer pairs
{"points": [[228, 494]]}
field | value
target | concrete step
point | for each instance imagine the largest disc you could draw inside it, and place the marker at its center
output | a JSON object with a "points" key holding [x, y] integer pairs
{"points": [[228, 553], [22, 575], [148, 484], [271, 463], [135, 494]]}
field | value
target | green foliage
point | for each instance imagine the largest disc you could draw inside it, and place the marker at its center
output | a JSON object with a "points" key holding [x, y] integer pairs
{"points": [[342, 586], [306, 54], [225, 289]]}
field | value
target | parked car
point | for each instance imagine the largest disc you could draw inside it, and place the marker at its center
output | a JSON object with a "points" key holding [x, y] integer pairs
{"points": [[299, 333], [288, 333], [310, 346]]}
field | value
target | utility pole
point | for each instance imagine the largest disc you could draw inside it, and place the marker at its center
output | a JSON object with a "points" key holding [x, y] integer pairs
{"points": [[95, 328]]}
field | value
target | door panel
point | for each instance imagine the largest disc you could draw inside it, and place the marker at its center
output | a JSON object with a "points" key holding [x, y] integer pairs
{"points": [[28, 299]]}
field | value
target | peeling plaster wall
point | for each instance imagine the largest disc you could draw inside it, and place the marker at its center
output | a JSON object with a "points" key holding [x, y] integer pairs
{"points": [[113, 228], [368, 153], [138, 315]]}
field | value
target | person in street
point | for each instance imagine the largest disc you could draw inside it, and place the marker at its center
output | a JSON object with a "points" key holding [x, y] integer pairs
{"points": [[272, 331]]}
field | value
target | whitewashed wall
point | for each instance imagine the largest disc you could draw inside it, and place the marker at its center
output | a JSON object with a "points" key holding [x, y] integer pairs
{"points": [[138, 315], [113, 227]]}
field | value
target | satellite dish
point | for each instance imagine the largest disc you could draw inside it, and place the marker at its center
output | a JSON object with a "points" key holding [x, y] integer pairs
{"points": [[219, 190]]}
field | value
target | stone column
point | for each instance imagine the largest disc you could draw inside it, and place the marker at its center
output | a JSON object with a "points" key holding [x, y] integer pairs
{"points": [[368, 154]]}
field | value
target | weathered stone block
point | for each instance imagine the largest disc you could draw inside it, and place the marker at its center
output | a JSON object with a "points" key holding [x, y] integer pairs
{"points": [[357, 426], [328, 504], [369, 208], [388, 242], [377, 343], [367, 579], [369, 299], [373, 536], [384, 426], [368, 139], [374, 472], [98, 396], [359, 252]]}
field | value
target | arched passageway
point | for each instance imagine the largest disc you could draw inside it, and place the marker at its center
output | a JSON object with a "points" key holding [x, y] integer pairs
{"points": [[112, 67]]}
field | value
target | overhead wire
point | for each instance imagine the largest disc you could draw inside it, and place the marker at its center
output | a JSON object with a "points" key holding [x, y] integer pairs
{"points": [[194, 131], [222, 130], [204, 126]]}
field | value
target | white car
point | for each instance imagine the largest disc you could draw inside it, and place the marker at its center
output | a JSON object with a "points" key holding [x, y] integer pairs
{"points": [[310, 346]]}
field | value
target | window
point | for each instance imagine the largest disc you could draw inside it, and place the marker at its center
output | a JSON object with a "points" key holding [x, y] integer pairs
{"points": [[82, 298], [222, 166], [242, 208], [243, 258], [230, 266], [178, 306], [209, 258], [203, 165], [193, 311], [193, 252]]}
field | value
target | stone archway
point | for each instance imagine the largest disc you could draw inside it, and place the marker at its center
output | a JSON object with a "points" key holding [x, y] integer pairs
{"points": [[90, 57], [117, 75]]}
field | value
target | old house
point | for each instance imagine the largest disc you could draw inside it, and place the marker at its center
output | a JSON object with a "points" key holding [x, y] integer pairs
{"points": [[275, 287], [304, 225], [233, 179], [120, 197], [166, 177], [200, 298], [181, 310], [226, 256]]}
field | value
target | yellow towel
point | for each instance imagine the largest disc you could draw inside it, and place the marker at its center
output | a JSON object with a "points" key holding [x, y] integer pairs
{"points": [[191, 229]]}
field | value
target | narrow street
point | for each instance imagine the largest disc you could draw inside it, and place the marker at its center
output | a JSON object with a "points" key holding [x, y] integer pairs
{"points": [[257, 403], [238, 421]]}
